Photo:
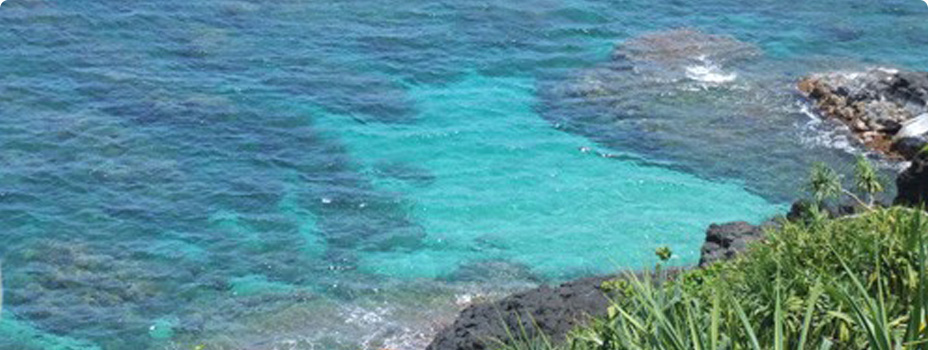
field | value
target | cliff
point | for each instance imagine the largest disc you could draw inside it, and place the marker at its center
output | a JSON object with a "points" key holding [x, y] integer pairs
{"points": [[554, 311]]}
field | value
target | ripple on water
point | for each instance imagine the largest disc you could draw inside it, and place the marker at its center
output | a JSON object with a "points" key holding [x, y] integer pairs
{"points": [[256, 175], [508, 186]]}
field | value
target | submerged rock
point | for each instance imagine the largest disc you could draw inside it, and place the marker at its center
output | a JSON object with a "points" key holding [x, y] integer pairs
{"points": [[61, 284], [405, 172], [495, 271], [882, 107], [703, 103], [669, 57], [685, 46]]}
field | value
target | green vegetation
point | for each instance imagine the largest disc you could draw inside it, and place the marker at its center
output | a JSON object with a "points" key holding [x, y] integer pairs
{"points": [[857, 282], [825, 184], [867, 180], [663, 253], [843, 284]]}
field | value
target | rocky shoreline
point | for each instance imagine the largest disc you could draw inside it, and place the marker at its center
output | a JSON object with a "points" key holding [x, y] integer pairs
{"points": [[545, 310], [887, 110], [554, 311]]}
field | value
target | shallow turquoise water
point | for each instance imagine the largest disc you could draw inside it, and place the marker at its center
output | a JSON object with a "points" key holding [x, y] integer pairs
{"points": [[306, 175], [532, 197]]}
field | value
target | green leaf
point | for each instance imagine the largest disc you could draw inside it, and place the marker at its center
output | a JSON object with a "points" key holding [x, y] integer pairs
{"points": [[824, 182], [714, 323], [814, 295], [748, 329], [867, 180], [778, 338]]}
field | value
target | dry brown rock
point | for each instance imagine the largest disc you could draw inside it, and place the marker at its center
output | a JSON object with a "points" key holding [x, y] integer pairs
{"points": [[873, 104]]}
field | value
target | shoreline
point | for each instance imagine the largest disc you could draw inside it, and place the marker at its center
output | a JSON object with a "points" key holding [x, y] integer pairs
{"points": [[850, 99], [885, 109], [553, 311]]}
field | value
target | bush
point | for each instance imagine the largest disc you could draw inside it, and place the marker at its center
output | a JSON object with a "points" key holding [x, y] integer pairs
{"points": [[849, 283]]}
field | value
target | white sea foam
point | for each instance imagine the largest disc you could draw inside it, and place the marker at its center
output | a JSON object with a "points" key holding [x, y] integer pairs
{"points": [[815, 132], [376, 328], [838, 136], [709, 73], [365, 317], [888, 70]]}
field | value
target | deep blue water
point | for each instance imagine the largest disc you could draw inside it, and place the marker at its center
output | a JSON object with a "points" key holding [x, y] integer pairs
{"points": [[347, 174]]}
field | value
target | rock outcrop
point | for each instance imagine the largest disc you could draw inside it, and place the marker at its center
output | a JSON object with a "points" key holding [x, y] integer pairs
{"points": [[725, 241], [555, 311], [544, 310], [799, 209], [909, 147], [886, 109], [912, 184]]}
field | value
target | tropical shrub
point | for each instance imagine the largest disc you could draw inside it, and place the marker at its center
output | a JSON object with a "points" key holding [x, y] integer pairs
{"points": [[848, 283]]}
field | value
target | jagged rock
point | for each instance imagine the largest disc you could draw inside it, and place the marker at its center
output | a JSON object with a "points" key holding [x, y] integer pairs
{"points": [[909, 147], [727, 240], [877, 105], [912, 89], [544, 310], [555, 311], [798, 210], [912, 184]]}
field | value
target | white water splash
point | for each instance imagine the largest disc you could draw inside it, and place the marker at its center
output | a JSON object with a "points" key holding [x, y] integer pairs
{"points": [[710, 74], [385, 329], [815, 132]]}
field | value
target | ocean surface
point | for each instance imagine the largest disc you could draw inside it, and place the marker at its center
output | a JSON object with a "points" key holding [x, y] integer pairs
{"points": [[297, 174]]}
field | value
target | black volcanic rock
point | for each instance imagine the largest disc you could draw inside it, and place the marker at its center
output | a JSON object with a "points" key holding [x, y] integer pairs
{"points": [[555, 311], [912, 184], [911, 88], [909, 147], [797, 211], [725, 241], [544, 310]]}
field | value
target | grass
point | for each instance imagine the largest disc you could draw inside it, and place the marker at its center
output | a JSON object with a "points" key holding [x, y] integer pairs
{"points": [[850, 283]]}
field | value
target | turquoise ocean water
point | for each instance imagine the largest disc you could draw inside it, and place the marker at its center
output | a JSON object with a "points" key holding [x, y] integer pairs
{"points": [[347, 174]]}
